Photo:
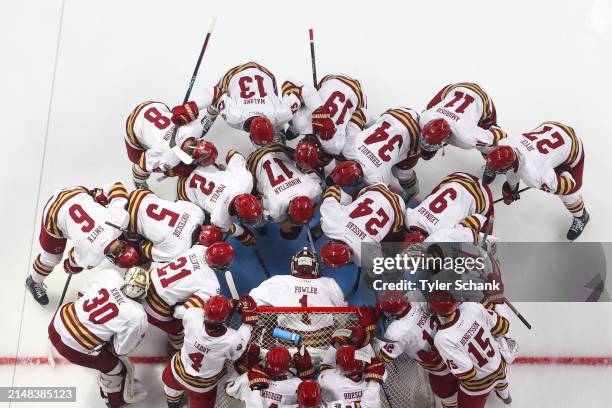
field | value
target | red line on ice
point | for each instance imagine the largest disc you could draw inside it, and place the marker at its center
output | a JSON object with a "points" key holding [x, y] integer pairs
{"points": [[564, 361]]}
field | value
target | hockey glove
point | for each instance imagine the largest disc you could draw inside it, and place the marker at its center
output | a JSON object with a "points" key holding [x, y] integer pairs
{"points": [[258, 378], [248, 307], [183, 114], [247, 238], [248, 359], [322, 123], [374, 371], [510, 194], [368, 316], [180, 169], [71, 269], [430, 359], [303, 363]]}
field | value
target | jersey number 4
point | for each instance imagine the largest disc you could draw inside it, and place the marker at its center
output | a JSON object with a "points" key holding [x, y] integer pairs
{"points": [[364, 209], [379, 135]]}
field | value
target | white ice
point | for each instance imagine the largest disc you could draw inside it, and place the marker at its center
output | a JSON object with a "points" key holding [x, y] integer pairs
{"points": [[544, 60]]}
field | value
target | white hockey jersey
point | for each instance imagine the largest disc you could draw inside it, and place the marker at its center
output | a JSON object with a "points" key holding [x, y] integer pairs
{"points": [[149, 128], [374, 214], [470, 113], [339, 391], [170, 227], [392, 138], [201, 362], [279, 394], [72, 213], [413, 333], [467, 344], [542, 153], [102, 314], [347, 102], [185, 282], [278, 180], [246, 91], [291, 291], [459, 202], [213, 189]]}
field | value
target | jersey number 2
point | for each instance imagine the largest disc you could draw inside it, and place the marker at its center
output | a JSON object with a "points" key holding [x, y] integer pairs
{"points": [[174, 266], [363, 209]]}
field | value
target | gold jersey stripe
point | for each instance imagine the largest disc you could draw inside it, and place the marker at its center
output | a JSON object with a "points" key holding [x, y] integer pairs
{"points": [[181, 193], [351, 83], [486, 102], [134, 200], [575, 148], [198, 382], [472, 186], [129, 125], [411, 125], [77, 330], [501, 326], [195, 301], [485, 382], [398, 221], [157, 303], [52, 214], [433, 368], [255, 157], [358, 118], [289, 88], [498, 134], [117, 191], [223, 84], [467, 375]]}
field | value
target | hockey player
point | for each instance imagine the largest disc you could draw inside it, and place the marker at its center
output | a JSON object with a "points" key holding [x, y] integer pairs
{"points": [[188, 281], [466, 341], [167, 228], [305, 287], [341, 115], [353, 380], [247, 99], [79, 214], [550, 158], [390, 147], [270, 384], [412, 332], [288, 195], [457, 210], [309, 395], [223, 194], [99, 329], [148, 131], [462, 115], [200, 365], [375, 215]]}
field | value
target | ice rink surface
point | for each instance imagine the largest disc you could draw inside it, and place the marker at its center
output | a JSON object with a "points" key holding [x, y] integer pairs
{"points": [[72, 71]]}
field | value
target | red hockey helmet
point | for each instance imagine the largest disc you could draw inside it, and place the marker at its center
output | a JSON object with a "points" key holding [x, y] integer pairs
{"points": [[345, 359], [394, 303], [122, 254], [278, 361], [219, 255], [336, 254], [501, 158], [414, 238], [304, 264], [306, 154], [300, 210], [204, 153], [442, 302], [261, 131], [209, 234], [248, 208], [436, 131], [309, 394], [217, 309], [346, 173]]}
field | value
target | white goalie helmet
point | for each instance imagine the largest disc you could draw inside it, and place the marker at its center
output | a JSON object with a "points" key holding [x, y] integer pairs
{"points": [[136, 283]]}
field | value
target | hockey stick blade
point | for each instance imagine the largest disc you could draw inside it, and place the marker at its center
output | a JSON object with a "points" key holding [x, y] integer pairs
{"points": [[184, 157], [229, 278]]}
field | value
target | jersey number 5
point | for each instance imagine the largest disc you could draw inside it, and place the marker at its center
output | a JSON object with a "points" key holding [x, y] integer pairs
{"points": [[161, 214]]}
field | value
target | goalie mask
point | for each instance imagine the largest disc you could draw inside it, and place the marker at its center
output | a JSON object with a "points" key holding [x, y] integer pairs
{"points": [[304, 264], [136, 283]]}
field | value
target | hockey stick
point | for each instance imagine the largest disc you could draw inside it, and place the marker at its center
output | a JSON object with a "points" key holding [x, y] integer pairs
{"points": [[520, 191], [355, 286], [110, 224], [61, 301], [312, 245], [312, 57], [229, 278], [185, 158], [261, 262]]}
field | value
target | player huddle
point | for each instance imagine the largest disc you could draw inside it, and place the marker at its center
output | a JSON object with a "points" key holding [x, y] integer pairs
{"points": [[358, 172]]}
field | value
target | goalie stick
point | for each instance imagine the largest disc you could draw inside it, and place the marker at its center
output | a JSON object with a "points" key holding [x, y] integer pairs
{"points": [[185, 158]]}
